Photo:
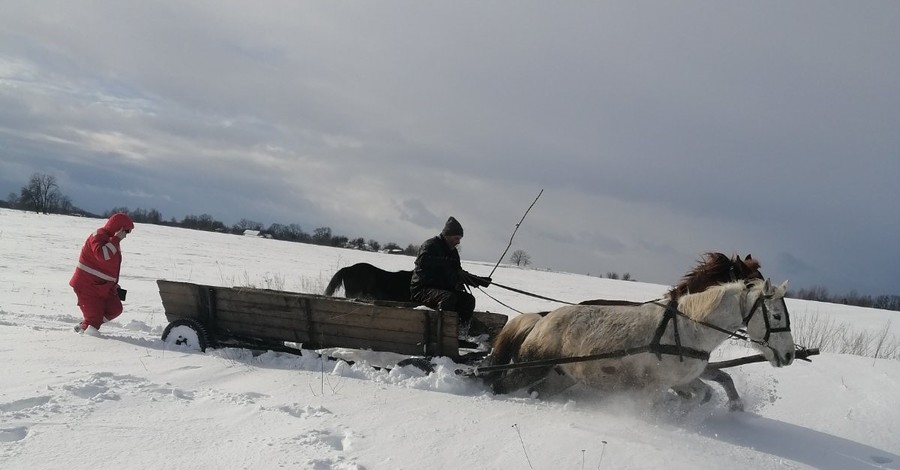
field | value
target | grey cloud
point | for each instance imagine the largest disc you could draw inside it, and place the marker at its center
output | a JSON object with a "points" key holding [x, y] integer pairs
{"points": [[659, 131]]}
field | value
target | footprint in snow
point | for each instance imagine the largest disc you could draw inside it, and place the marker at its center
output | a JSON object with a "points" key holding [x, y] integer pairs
{"points": [[338, 463], [173, 392], [13, 434], [24, 404], [307, 411], [322, 439], [92, 392]]}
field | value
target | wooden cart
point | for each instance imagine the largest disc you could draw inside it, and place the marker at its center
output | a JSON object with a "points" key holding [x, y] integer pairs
{"points": [[202, 316]]}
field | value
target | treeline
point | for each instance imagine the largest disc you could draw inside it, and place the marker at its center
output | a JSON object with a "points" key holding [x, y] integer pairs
{"points": [[287, 232], [42, 195], [821, 294]]}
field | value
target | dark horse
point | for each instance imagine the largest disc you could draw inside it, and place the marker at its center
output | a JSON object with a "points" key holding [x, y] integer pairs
{"points": [[364, 281]]}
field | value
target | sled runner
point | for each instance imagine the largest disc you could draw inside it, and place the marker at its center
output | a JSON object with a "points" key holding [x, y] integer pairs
{"points": [[202, 316]]}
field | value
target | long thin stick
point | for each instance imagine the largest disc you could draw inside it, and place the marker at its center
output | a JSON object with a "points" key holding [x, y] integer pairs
{"points": [[523, 446], [514, 233]]}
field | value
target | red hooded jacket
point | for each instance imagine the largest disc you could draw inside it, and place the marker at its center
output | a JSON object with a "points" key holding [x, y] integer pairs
{"points": [[100, 259]]}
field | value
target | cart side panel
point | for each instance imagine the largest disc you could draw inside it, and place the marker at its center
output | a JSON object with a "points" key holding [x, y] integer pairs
{"points": [[315, 321], [181, 300], [490, 323]]}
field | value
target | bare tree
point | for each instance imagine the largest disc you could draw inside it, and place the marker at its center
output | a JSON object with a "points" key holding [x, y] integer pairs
{"points": [[66, 206], [322, 236], [246, 224], [520, 258], [41, 194]]}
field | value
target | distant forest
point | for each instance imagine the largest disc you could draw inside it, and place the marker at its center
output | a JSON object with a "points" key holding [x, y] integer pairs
{"points": [[42, 195]]}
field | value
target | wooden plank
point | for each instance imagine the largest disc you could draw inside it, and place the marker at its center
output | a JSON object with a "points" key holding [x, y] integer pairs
{"points": [[390, 303], [174, 287], [286, 311], [317, 321], [414, 325], [323, 332], [179, 300], [341, 339], [370, 336], [287, 305]]}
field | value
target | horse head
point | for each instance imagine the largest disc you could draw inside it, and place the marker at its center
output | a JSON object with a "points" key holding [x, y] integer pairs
{"points": [[765, 315]]}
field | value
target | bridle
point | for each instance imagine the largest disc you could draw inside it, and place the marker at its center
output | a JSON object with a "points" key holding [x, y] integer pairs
{"points": [[760, 304], [671, 312]]}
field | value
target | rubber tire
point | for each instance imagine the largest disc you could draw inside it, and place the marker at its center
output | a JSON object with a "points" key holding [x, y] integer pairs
{"points": [[196, 339]]}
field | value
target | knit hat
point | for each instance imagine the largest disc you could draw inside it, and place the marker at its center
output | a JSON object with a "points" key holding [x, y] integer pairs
{"points": [[119, 221], [452, 227]]}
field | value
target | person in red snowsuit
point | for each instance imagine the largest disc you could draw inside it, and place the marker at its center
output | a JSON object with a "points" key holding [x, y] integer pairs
{"points": [[96, 278]]}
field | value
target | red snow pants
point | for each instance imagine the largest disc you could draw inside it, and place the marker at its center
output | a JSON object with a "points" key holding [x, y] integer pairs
{"points": [[99, 303]]}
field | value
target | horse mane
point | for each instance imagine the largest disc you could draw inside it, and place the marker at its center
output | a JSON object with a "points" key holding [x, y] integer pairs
{"points": [[715, 268], [698, 306]]}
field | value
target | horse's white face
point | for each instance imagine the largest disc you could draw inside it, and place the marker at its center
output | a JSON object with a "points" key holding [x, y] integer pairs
{"points": [[769, 324]]}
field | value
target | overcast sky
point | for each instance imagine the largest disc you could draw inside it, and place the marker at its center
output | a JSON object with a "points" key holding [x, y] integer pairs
{"points": [[657, 130]]}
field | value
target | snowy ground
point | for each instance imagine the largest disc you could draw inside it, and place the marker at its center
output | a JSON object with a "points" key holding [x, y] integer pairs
{"points": [[125, 400]]}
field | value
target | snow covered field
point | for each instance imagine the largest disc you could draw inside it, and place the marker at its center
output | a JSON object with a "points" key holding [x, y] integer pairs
{"points": [[125, 400]]}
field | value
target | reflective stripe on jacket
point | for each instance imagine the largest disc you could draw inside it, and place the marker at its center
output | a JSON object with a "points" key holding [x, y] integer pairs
{"points": [[99, 261]]}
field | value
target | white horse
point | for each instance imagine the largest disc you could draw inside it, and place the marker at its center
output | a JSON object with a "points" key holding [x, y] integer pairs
{"points": [[650, 347]]}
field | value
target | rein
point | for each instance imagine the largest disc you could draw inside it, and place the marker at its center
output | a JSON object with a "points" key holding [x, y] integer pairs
{"points": [[530, 294]]}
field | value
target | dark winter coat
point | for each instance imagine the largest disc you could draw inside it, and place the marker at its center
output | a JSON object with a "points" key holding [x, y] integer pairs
{"points": [[437, 267]]}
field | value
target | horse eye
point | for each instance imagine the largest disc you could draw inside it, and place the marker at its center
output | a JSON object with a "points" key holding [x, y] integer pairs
{"points": [[777, 316]]}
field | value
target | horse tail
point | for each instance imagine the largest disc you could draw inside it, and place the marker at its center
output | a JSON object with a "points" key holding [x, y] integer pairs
{"points": [[511, 337], [336, 281]]}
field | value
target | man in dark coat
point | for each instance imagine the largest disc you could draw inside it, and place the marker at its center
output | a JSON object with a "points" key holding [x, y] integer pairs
{"points": [[438, 279]]}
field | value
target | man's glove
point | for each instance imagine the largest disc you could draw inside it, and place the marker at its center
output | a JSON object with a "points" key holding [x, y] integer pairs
{"points": [[478, 280]]}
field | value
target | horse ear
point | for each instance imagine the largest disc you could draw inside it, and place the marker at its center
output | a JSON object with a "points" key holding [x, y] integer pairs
{"points": [[749, 257], [768, 285], [783, 286]]}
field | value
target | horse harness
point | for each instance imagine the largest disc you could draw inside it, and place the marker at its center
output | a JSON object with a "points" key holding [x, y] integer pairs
{"points": [[670, 314]]}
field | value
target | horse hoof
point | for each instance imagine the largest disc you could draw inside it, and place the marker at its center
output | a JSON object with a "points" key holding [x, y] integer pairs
{"points": [[736, 405]]}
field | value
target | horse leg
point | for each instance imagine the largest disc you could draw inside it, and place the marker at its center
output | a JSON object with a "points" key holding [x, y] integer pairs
{"points": [[556, 381], [695, 390], [722, 378], [519, 378]]}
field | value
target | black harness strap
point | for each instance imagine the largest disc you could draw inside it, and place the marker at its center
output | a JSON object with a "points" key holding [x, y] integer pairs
{"points": [[671, 314]]}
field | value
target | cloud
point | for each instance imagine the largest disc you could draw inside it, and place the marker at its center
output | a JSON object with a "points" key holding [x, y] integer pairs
{"points": [[658, 133]]}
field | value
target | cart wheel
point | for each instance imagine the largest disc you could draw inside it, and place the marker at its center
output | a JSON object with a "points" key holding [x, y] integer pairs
{"points": [[186, 333]]}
